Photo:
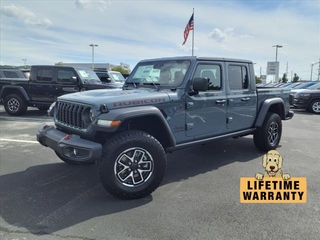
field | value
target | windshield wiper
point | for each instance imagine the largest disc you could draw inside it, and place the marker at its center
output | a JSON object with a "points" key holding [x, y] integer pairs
{"points": [[152, 83], [134, 84]]}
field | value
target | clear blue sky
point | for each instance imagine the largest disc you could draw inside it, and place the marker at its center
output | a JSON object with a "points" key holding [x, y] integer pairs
{"points": [[46, 32]]}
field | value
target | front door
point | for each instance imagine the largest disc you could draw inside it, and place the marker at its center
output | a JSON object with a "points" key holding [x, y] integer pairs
{"points": [[65, 83], [42, 85], [242, 97], [206, 111]]}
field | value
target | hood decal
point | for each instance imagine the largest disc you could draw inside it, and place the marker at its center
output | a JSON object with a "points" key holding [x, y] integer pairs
{"points": [[139, 102]]}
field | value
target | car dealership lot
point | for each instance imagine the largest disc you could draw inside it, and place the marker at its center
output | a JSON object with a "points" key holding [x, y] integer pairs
{"points": [[44, 198]]}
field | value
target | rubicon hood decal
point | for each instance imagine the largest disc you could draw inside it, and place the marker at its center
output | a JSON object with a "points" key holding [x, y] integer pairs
{"points": [[117, 98]]}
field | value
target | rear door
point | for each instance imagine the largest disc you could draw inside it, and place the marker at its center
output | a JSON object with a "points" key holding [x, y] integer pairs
{"points": [[242, 97], [42, 85]]}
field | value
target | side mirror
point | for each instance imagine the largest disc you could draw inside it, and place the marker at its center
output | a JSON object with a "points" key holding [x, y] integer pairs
{"points": [[200, 84], [105, 79], [73, 79]]}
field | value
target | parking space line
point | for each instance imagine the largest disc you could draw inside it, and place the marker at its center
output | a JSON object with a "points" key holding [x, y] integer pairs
{"points": [[24, 118], [21, 141]]}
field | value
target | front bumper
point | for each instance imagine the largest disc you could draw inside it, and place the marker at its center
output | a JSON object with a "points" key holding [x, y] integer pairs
{"points": [[70, 146], [300, 103]]}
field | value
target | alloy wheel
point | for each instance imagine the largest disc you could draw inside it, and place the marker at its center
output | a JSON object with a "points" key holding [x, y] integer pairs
{"points": [[133, 167]]}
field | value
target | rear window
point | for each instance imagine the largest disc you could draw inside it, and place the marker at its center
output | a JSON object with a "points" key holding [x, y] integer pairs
{"points": [[13, 74]]}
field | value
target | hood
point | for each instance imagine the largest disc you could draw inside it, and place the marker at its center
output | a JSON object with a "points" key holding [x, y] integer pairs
{"points": [[296, 91], [309, 91], [92, 86], [117, 98]]}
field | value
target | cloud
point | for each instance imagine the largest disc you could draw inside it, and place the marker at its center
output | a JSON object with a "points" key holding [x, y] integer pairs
{"points": [[221, 36], [102, 5], [25, 15]]}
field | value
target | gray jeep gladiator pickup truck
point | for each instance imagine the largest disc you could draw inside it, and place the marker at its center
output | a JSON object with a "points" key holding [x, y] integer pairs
{"points": [[166, 104]]}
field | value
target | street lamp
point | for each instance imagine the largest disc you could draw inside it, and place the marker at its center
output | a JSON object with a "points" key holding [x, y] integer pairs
{"points": [[93, 45], [277, 46], [277, 66], [25, 62]]}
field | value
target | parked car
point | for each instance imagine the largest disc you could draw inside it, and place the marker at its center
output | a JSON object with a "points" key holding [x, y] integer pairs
{"points": [[308, 99], [45, 85], [298, 88], [112, 79]]}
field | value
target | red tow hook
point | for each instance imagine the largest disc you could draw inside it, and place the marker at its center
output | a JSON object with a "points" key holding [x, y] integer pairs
{"points": [[67, 137], [44, 127]]}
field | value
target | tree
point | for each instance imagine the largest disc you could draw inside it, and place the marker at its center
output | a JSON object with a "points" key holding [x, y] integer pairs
{"points": [[295, 78], [120, 69], [284, 78], [258, 80]]}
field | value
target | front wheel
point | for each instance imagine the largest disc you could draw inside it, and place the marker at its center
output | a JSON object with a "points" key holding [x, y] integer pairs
{"points": [[315, 106], [132, 165], [267, 137]]}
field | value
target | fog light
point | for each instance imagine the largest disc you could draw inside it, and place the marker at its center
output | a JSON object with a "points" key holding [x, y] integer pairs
{"points": [[75, 152]]}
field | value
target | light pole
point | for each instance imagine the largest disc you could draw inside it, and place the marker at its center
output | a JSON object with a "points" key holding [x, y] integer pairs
{"points": [[277, 66], [25, 62], [93, 45], [312, 69], [277, 46]]}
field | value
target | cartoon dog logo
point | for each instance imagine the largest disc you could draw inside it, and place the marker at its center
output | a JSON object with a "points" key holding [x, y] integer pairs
{"points": [[272, 162]]}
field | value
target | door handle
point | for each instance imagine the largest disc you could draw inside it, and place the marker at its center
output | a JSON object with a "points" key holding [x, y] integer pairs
{"points": [[245, 99], [221, 101]]}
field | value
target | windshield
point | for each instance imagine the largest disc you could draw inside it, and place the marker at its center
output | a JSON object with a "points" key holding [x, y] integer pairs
{"points": [[314, 86], [117, 77], [159, 72], [88, 76]]}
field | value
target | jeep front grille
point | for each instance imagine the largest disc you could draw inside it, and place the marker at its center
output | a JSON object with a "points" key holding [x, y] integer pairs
{"points": [[70, 115]]}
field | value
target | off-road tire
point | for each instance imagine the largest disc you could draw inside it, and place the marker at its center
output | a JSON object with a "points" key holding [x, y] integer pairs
{"points": [[132, 165], [314, 106], [15, 105], [268, 136], [71, 162]]}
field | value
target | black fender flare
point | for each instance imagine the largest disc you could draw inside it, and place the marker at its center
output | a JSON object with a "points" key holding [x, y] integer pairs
{"points": [[19, 88], [124, 114], [264, 109]]}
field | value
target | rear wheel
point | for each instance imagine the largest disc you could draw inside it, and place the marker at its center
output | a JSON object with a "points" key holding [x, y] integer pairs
{"points": [[267, 137], [15, 105], [132, 165], [315, 106]]}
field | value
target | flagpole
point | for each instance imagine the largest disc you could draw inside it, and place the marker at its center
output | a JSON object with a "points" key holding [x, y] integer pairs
{"points": [[193, 33]]}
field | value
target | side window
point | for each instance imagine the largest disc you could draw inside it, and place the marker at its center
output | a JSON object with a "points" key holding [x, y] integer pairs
{"points": [[10, 74], [44, 75], [238, 77], [64, 76], [212, 72], [245, 80]]}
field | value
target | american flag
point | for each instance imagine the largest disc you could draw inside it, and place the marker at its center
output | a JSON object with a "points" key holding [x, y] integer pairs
{"points": [[187, 29]]}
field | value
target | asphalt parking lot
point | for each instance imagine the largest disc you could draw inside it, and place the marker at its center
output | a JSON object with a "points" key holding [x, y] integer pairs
{"points": [[44, 198]]}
